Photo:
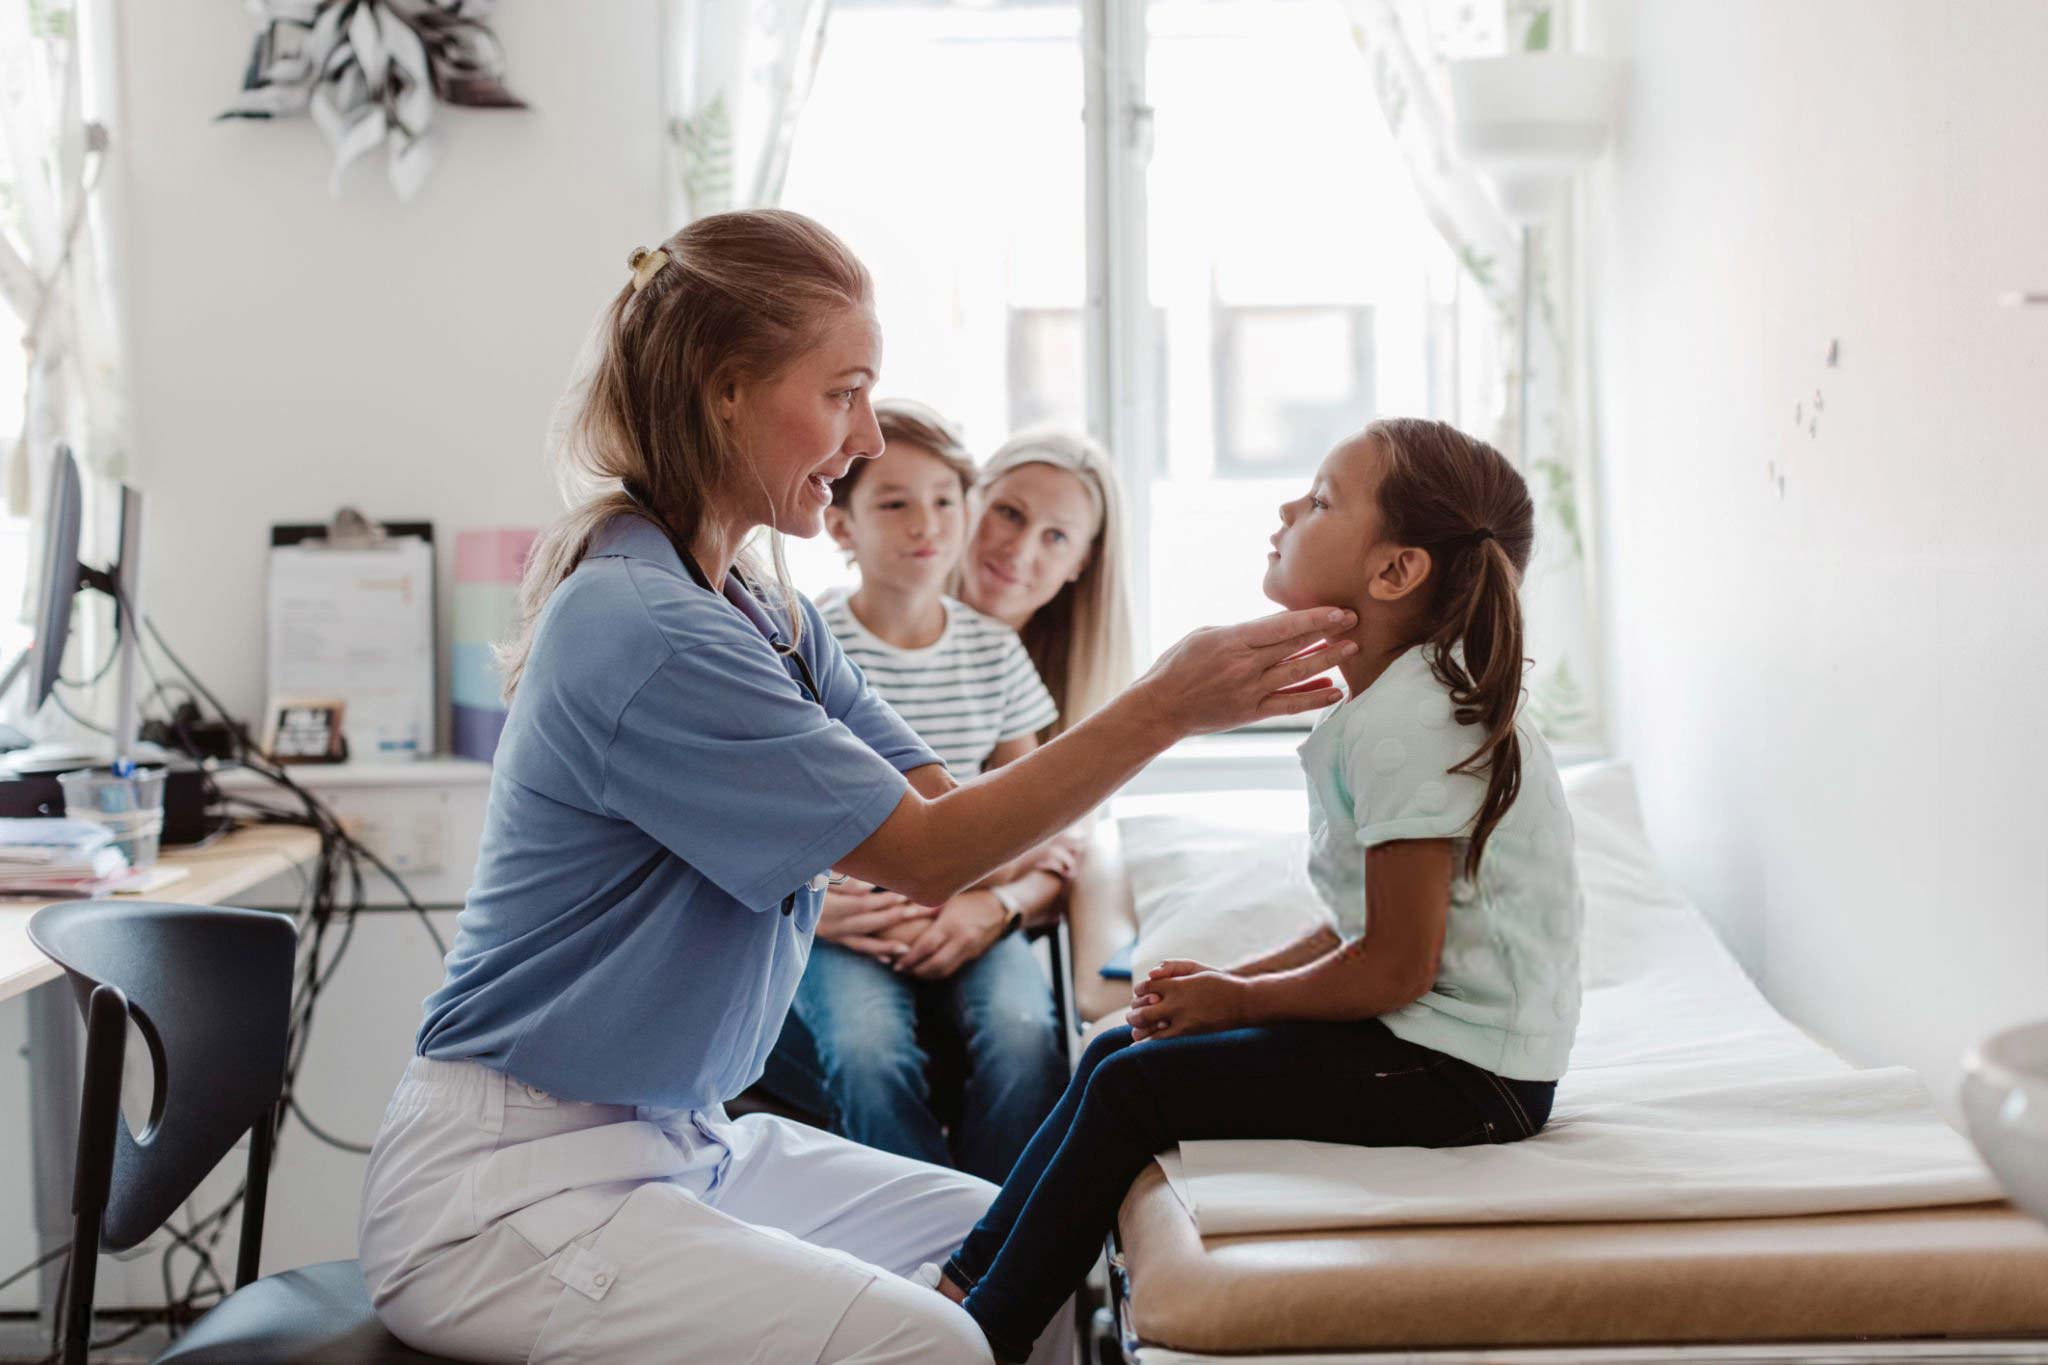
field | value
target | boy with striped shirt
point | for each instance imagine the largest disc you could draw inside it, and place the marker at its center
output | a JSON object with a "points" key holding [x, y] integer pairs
{"points": [[971, 693], [962, 680], [885, 975]]}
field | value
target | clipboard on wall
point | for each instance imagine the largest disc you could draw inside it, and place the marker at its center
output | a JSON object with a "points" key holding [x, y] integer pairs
{"points": [[354, 619]]}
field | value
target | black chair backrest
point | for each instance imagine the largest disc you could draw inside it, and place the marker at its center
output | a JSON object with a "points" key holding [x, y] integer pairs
{"points": [[209, 989]]}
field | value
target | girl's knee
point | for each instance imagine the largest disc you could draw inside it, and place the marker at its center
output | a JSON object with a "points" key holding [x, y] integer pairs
{"points": [[1117, 1081], [1106, 1045], [1127, 1093]]}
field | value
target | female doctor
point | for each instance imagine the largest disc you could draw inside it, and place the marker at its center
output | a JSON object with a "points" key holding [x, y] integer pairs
{"points": [[687, 754]]}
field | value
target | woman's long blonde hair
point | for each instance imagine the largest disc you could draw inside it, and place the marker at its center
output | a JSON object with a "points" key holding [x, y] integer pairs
{"points": [[732, 298], [1080, 641]]}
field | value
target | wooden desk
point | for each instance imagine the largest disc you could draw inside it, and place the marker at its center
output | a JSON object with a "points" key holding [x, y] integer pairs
{"points": [[218, 872]]}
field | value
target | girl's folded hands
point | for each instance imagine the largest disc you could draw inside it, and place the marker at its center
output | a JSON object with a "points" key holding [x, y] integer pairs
{"points": [[1181, 997]]}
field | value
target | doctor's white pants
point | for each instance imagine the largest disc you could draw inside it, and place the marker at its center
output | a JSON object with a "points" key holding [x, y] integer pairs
{"points": [[502, 1224]]}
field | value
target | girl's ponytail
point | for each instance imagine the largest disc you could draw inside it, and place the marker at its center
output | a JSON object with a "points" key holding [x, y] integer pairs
{"points": [[1459, 499], [1485, 627]]}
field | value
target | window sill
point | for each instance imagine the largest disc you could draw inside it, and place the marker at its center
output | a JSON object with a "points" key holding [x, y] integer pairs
{"points": [[1246, 760], [1261, 760]]}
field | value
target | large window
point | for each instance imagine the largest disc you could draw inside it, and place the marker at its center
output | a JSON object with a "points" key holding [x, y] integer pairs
{"points": [[944, 143], [1275, 281], [1295, 273]]}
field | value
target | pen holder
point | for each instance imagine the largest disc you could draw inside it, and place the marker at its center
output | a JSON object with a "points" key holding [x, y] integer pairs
{"points": [[130, 806]]}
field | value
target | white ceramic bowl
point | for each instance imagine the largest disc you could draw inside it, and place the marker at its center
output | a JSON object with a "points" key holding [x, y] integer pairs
{"points": [[2005, 1099]]}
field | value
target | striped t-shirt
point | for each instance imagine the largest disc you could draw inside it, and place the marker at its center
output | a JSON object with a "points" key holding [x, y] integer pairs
{"points": [[966, 692]]}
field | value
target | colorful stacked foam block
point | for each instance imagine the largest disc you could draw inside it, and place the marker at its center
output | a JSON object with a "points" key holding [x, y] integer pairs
{"points": [[487, 569]]}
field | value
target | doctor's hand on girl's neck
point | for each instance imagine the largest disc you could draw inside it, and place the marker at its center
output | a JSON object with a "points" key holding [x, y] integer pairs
{"points": [[1331, 550], [903, 520]]}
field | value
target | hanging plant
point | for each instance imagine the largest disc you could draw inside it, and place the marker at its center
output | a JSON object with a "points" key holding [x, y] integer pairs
{"points": [[369, 72]]}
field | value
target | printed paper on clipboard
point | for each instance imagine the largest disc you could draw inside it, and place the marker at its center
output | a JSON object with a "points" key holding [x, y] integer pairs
{"points": [[358, 624]]}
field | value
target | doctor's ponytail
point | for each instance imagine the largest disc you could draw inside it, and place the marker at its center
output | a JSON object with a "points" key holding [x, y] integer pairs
{"points": [[1459, 499], [732, 298]]}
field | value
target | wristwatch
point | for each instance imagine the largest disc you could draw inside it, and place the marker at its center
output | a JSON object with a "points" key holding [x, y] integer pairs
{"points": [[1013, 906]]}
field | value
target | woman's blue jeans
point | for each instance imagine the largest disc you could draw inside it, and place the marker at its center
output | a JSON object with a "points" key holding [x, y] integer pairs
{"points": [[855, 1050], [1348, 1082]]}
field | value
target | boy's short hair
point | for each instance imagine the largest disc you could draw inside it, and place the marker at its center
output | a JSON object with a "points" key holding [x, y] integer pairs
{"points": [[915, 423]]}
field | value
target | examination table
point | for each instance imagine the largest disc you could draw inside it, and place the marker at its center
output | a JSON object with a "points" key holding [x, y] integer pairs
{"points": [[1955, 1282]]}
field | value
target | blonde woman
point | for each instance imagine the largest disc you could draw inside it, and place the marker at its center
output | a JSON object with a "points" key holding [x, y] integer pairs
{"points": [[687, 752], [1046, 558], [900, 1001]]}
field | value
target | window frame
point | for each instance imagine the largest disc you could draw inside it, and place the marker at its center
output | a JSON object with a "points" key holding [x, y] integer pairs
{"points": [[1123, 340], [1119, 355]]}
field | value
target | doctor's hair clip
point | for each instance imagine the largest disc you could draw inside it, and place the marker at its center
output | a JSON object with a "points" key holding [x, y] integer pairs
{"points": [[645, 265]]}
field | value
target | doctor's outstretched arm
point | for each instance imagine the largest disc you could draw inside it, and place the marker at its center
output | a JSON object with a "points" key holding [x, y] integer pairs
{"points": [[932, 847]]}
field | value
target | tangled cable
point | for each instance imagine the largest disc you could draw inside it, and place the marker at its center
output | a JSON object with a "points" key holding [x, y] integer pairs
{"points": [[330, 900]]}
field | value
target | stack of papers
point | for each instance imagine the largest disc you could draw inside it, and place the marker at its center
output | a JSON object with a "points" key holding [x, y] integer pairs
{"points": [[43, 857]]}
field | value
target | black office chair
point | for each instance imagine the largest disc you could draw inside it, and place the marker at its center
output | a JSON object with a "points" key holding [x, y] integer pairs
{"points": [[209, 991]]}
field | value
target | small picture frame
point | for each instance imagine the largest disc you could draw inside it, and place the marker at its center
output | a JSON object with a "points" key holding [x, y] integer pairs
{"points": [[307, 730]]}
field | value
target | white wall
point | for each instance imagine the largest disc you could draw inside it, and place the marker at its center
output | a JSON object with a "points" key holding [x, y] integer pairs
{"points": [[294, 350], [1832, 687]]}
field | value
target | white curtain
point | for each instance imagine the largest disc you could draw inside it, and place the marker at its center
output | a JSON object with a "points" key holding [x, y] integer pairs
{"points": [[58, 207], [739, 72], [55, 261], [1406, 44]]}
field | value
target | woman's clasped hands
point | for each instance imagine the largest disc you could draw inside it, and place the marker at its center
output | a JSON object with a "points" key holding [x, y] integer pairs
{"points": [[859, 916], [932, 942], [929, 942]]}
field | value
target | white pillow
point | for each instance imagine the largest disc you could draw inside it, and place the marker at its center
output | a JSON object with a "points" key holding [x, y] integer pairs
{"points": [[1214, 892], [1633, 916]]}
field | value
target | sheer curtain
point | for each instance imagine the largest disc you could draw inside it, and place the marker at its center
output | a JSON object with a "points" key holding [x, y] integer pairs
{"points": [[55, 262], [1406, 44], [739, 72], [58, 209]]}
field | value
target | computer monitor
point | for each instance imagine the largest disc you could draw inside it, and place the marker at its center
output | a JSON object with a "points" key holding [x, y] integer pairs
{"points": [[59, 582], [62, 578]]}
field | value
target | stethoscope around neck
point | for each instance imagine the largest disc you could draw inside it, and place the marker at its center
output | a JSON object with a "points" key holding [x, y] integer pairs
{"points": [[805, 678]]}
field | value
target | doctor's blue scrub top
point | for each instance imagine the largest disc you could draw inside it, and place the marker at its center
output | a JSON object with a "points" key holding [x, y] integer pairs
{"points": [[663, 785]]}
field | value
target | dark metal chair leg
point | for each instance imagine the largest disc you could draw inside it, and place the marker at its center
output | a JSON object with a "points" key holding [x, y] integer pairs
{"points": [[99, 1109], [255, 1196]]}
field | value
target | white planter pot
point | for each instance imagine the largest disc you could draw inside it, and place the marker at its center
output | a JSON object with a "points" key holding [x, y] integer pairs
{"points": [[1529, 121]]}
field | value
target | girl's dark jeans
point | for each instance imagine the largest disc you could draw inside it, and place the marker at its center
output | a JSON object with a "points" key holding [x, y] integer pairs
{"points": [[1349, 1082]]}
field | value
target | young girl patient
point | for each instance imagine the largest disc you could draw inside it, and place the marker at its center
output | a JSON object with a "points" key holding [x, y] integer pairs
{"points": [[1443, 1017]]}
